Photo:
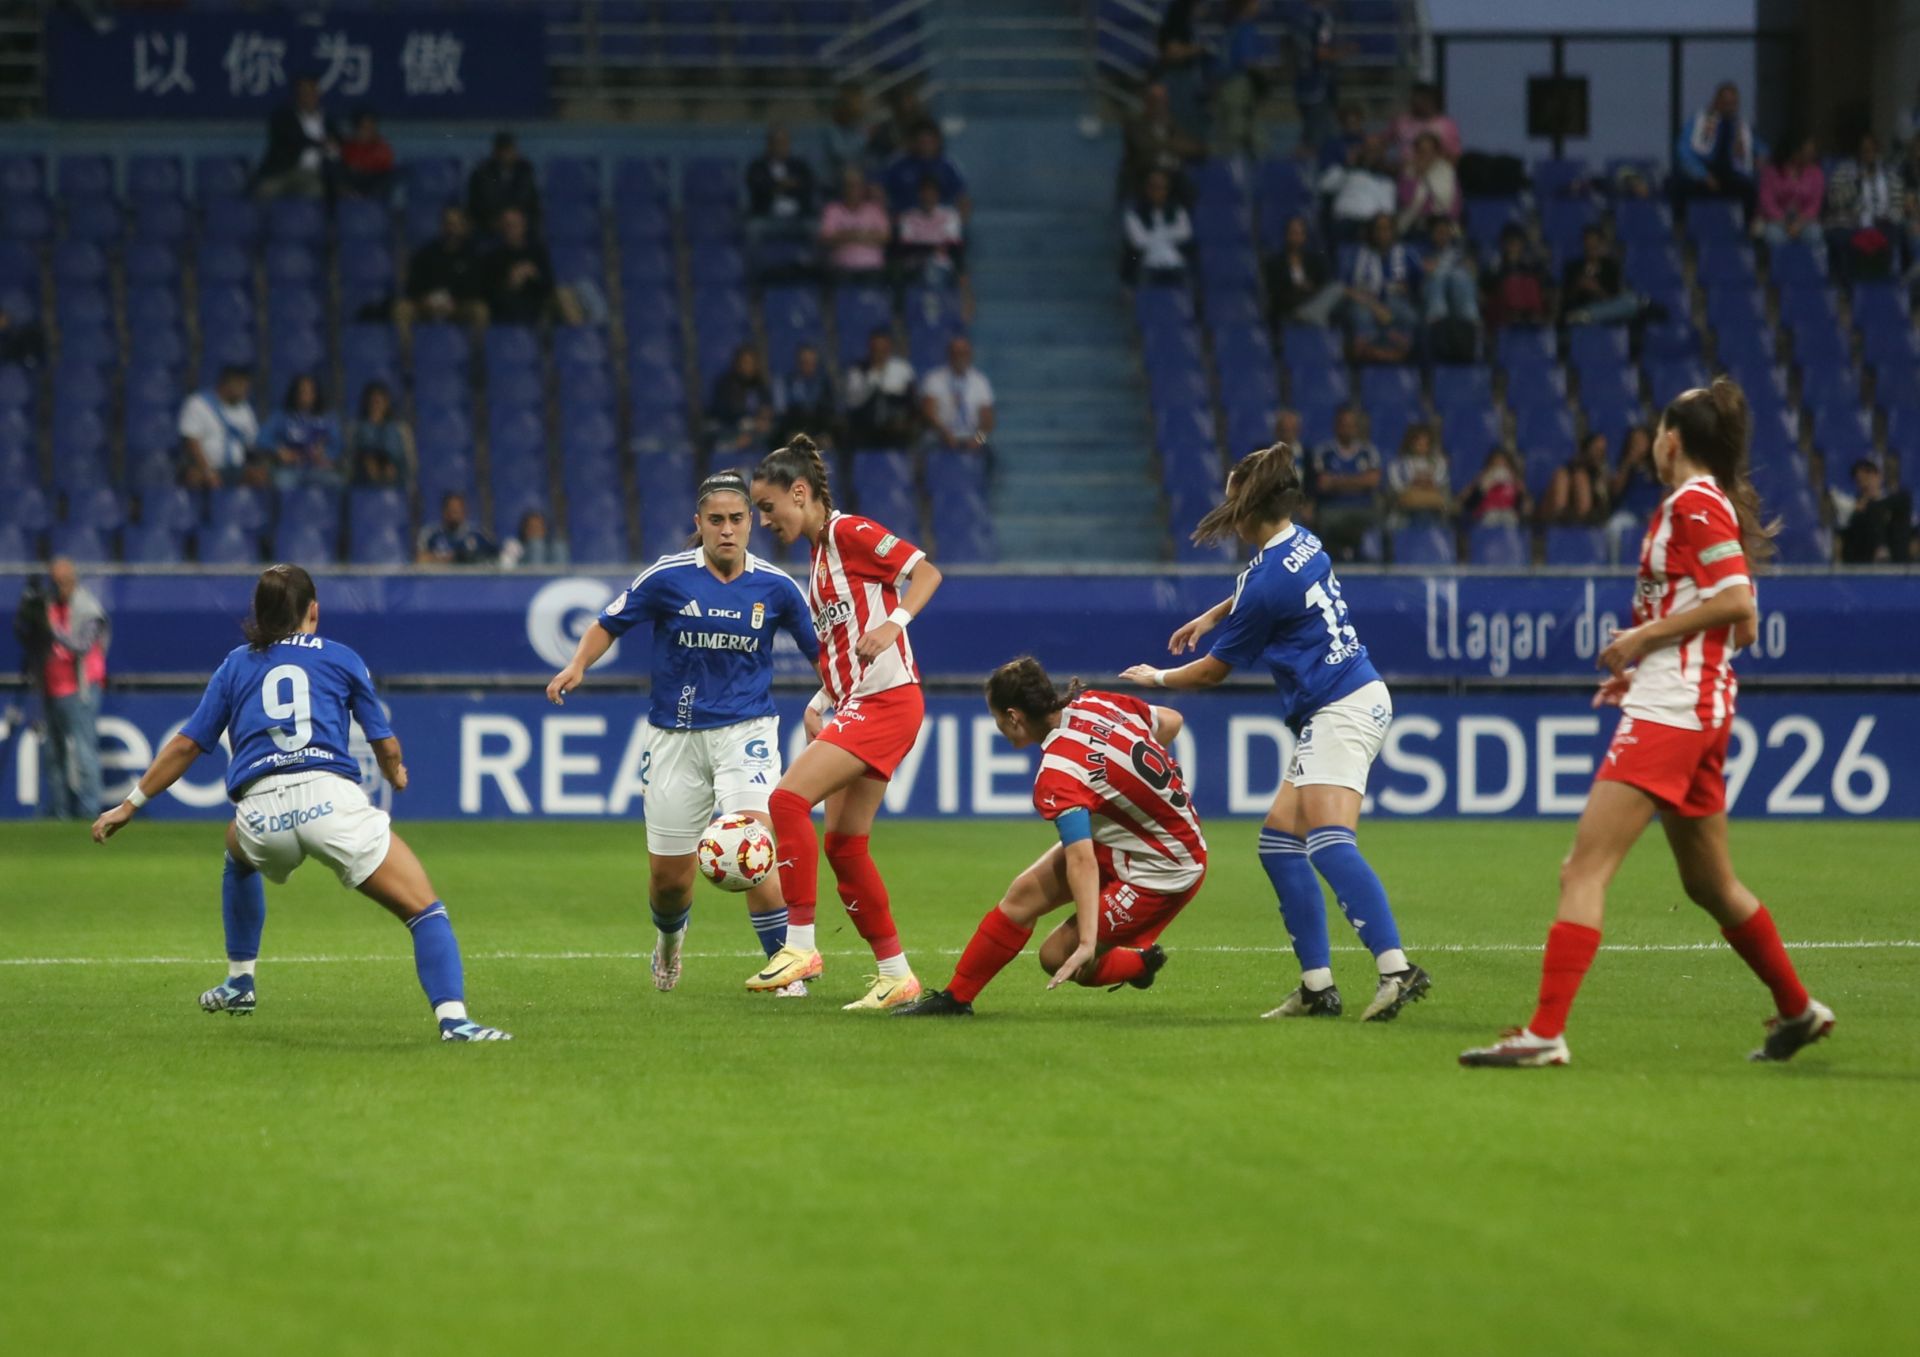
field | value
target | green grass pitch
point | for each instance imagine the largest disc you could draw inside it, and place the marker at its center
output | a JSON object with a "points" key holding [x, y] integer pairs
{"points": [[715, 1172]]}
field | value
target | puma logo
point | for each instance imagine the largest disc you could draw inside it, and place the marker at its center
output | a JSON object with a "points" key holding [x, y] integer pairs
{"points": [[1698, 518]]}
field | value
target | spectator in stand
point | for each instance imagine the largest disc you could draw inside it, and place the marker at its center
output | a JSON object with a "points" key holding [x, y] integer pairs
{"points": [[445, 280], [843, 141], [1299, 283], [1581, 492], [957, 401], [453, 540], [1590, 290], [1418, 489], [855, 229], [379, 443], [21, 342], [1451, 296], [1182, 67], [893, 134], [1359, 192], [1717, 154], [1864, 209], [73, 672], [501, 183], [1315, 72], [1428, 185], [1286, 429], [1241, 74], [779, 183], [1346, 475], [880, 397], [1498, 495], [1635, 491], [803, 401], [926, 158], [517, 278], [1910, 206], [740, 411], [303, 148], [1424, 115], [1344, 146], [1380, 315], [366, 159], [931, 241], [220, 435], [1518, 289], [301, 439], [533, 543], [1155, 141], [1793, 192], [1877, 528], [1159, 233]]}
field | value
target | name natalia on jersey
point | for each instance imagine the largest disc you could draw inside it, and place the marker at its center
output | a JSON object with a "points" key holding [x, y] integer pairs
{"points": [[1288, 614], [712, 638], [288, 709]]}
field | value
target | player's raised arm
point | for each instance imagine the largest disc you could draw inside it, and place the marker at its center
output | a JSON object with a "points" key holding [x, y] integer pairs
{"points": [[167, 768], [1187, 637], [595, 641], [1205, 672]]}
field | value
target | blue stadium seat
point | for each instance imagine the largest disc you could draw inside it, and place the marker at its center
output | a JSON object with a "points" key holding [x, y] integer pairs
{"points": [[1576, 546], [151, 177], [1797, 263], [152, 544], [297, 539], [433, 181], [297, 264], [1487, 217], [1498, 544], [373, 509], [1597, 349], [226, 544], [1714, 219], [87, 546], [1726, 262], [233, 221], [162, 220], [362, 220], [26, 218], [640, 181], [25, 506], [94, 220], [1667, 380], [1643, 219], [297, 221], [511, 348], [377, 546], [17, 545], [1426, 544], [711, 179], [1456, 386], [572, 180]]}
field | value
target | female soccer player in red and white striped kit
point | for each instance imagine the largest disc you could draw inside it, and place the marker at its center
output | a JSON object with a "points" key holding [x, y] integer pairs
{"points": [[1671, 674], [865, 585]]}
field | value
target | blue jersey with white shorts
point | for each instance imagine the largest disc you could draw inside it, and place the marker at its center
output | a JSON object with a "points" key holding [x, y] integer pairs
{"points": [[712, 640], [288, 709], [1288, 614]]}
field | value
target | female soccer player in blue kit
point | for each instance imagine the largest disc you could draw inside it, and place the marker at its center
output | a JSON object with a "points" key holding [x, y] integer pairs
{"points": [[1287, 613], [715, 744], [284, 700]]}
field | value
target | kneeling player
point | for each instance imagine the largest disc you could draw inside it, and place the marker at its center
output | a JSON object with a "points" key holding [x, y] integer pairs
{"points": [[1130, 855], [285, 701]]}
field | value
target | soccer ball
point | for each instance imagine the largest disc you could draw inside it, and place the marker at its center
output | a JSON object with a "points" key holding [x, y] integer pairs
{"points": [[735, 853]]}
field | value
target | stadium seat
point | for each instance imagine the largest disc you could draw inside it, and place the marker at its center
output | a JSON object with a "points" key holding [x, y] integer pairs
{"points": [[226, 544], [1426, 544], [1576, 546], [1497, 544]]}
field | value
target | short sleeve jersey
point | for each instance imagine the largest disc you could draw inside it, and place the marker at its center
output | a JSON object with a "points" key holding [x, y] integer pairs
{"points": [[1692, 553], [857, 572], [1288, 614], [712, 639], [288, 709]]}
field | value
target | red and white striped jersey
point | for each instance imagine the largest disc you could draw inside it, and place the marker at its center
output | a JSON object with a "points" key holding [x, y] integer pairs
{"points": [[1691, 554], [855, 583], [1103, 756]]}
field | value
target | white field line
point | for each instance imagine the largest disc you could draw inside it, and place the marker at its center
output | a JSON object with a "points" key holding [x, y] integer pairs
{"points": [[1853, 945]]}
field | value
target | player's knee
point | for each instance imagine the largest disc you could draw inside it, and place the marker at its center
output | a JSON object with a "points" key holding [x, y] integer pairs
{"points": [[845, 849]]}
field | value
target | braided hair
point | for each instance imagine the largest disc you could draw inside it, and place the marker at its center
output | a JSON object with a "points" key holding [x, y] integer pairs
{"points": [[799, 460]]}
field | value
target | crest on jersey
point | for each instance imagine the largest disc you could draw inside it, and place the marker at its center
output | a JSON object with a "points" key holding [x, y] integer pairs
{"points": [[759, 615]]}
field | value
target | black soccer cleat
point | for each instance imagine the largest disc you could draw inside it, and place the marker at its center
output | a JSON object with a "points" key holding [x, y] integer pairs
{"points": [[1308, 1003], [935, 1003], [1786, 1036], [1396, 992], [1154, 958]]}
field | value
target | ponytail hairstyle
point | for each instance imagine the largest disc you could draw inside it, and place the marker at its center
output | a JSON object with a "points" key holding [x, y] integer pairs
{"points": [[1715, 429], [1022, 685], [1263, 487], [280, 603], [799, 460]]}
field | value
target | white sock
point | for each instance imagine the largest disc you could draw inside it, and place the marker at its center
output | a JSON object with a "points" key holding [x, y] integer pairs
{"points": [[895, 967], [670, 942], [800, 936], [1316, 979], [452, 1008], [236, 969], [1392, 961]]}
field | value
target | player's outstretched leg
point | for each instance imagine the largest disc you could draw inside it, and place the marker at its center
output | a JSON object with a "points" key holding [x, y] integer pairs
{"points": [[400, 885], [1335, 853], [864, 893], [1303, 909], [243, 909]]}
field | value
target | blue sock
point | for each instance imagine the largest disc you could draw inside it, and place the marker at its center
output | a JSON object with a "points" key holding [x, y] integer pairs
{"points": [[772, 928], [668, 922], [243, 906], [1336, 856], [436, 957], [1303, 909]]}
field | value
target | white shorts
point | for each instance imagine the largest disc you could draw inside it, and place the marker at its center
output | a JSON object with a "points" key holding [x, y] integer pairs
{"points": [[693, 775], [1338, 744], [286, 818]]}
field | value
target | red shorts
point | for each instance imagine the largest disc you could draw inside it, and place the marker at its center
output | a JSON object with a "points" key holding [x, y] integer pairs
{"points": [[878, 730], [1131, 916], [1685, 769]]}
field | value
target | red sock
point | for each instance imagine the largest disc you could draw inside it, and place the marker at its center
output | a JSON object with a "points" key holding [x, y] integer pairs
{"points": [[1570, 949], [862, 892], [798, 854], [1115, 965], [995, 942], [1758, 943]]}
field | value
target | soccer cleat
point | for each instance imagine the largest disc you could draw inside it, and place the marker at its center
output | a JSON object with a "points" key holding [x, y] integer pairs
{"points": [[1785, 1036], [463, 1029], [784, 967], [666, 973], [886, 991], [1518, 1049], [229, 997], [1154, 958], [797, 990], [935, 1004], [1396, 992], [1308, 1003]]}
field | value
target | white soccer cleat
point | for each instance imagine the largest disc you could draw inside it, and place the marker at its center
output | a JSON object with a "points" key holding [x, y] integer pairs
{"points": [[1518, 1049], [666, 970], [1787, 1036], [797, 990]]}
